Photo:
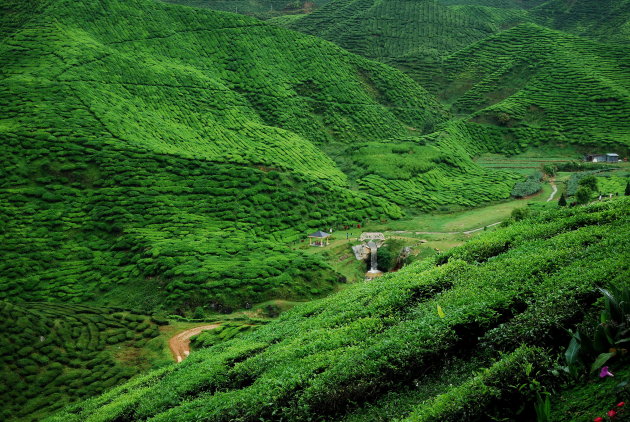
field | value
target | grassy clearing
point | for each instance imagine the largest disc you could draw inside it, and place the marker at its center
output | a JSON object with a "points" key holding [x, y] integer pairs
{"points": [[459, 221]]}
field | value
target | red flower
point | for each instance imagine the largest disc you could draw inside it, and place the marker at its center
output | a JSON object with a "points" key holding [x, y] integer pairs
{"points": [[611, 413], [598, 419], [621, 404]]}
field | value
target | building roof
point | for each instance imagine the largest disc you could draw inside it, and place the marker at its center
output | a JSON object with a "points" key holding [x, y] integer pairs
{"points": [[319, 234], [613, 155], [371, 236]]}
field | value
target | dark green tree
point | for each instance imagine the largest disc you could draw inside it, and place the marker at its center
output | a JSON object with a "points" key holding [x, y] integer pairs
{"points": [[589, 182], [583, 195], [550, 170], [562, 201], [627, 192]]}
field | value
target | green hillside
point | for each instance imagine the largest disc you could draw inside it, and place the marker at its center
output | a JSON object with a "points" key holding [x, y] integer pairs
{"points": [[412, 35], [491, 65], [263, 9], [162, 162], [449, 338], [539, 85], [54, 354], [510, 4], [607, 20], [170, 163]]}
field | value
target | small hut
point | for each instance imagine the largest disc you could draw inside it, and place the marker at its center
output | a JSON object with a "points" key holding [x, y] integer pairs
{"points": [[612, 158], [319, 238], [603, 158]]}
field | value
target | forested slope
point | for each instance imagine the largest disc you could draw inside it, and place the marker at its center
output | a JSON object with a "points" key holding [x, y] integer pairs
{"points": [[420, 344]]}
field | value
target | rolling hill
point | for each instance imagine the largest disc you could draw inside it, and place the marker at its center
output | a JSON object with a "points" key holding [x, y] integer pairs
{"points": [[538, 85], [263, 9], [557, 72], [607, 21], [161, 159], [412, 35], [171, 163]]}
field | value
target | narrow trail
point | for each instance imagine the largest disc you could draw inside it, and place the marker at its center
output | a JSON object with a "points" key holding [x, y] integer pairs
{"points": [[464, 232], [180, 342], [554, 191]]}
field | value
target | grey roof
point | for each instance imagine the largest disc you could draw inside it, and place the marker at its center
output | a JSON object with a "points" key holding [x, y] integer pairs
{"points": [[319, 234], [613, 155]]}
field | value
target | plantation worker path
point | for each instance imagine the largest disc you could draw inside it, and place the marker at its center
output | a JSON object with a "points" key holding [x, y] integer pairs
{"points": [[554, 191], [461, 232], [180, 343]]}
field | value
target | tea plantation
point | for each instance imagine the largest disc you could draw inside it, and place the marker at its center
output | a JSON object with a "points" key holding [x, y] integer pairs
{"points": [[555, 73], [53, 354], [263, 9], [160, 159], [450, 338], [169, 164]]}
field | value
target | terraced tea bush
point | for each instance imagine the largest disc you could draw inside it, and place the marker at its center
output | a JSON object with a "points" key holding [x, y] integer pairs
{"points": [[412, 35], [507, 78], [498, 65], [55, 354], [355, 354], [263, 9], [223, 332], [172, 164]]}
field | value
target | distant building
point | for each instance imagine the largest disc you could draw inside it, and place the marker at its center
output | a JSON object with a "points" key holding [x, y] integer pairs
{"points": [[602, 158], [612, 158]]}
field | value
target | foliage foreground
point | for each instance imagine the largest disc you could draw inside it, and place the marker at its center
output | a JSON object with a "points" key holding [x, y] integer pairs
{"points": [[468, 333]]}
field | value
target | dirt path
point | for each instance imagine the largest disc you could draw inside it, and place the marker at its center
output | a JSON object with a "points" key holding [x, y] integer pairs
{"points": [[180, 343], [554, 191], [464, 232]]}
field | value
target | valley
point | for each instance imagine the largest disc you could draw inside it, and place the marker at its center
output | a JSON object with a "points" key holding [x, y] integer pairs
{"points": [[164, 162]]}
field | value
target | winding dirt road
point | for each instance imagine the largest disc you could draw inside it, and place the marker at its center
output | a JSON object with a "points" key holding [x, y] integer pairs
{"points": [[180, 342]]}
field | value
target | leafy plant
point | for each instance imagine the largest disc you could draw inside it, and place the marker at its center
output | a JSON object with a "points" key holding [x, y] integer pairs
{"points": [[592, 349]]}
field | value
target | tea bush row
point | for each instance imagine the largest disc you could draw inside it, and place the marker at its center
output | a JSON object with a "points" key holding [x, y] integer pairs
{"points": [[55, 354], [328, 357]]}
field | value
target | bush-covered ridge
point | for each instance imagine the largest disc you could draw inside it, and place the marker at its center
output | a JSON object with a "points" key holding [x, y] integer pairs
{"points": [[385, 338], [523, 82], [54, 354], [169, 162]]}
